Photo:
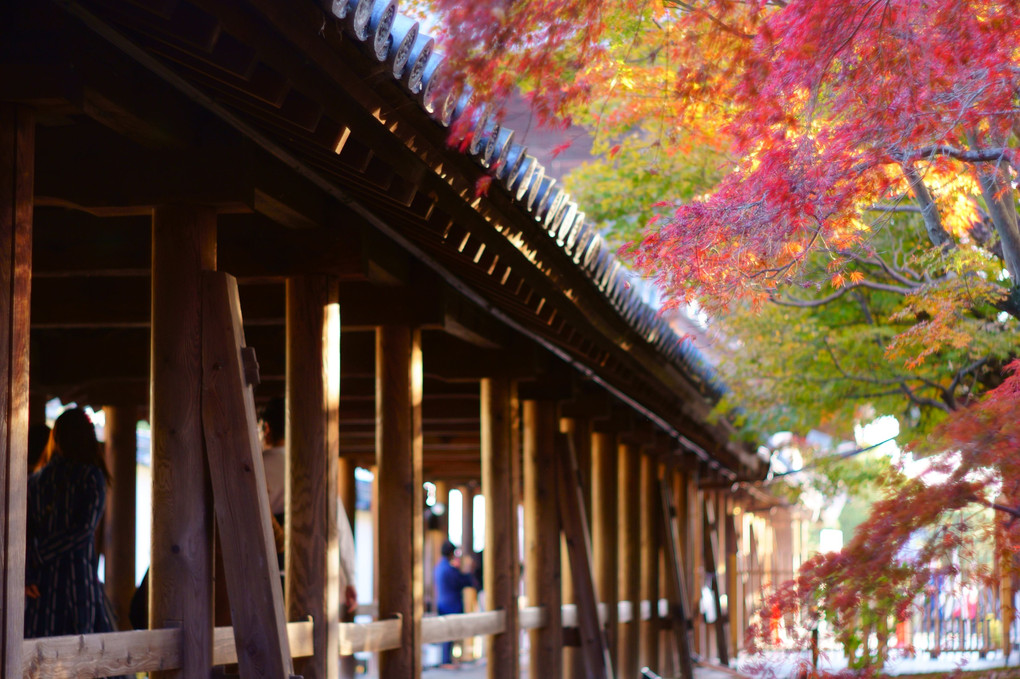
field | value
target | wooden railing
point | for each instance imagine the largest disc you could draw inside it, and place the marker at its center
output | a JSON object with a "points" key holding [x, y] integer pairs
{"points": [[104, 655]]}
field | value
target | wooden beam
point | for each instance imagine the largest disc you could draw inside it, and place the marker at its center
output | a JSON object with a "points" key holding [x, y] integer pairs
{"points": [[680, 610], [604, 530], [711, 545], [119, 532], [502, 567], [74, 656], [313, 453], [181, 574], [542, 537], [467, 540], [651, 511], [399, 476], [238, 478], [17, 158], [574, 521], [629, 546]]}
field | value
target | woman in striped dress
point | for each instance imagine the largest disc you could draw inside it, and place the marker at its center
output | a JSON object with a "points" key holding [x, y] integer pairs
{"points": [[65, 504]]}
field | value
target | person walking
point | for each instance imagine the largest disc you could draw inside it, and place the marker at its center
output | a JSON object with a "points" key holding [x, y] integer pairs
{"points": [[450, 582]]}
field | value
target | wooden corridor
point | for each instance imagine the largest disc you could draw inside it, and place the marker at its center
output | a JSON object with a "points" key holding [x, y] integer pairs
{"points": [[148, 147]]}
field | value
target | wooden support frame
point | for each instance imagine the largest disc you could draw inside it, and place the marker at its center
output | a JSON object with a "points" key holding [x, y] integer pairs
{"points": [[680, 608], [651, 513], [499, 469], [119, 531], [542, 537], [238, 479], [711, 544], [629, 465], [181, 574], [574, 522], [313, 459], [399, 482], [17, 178], [604, 529]]}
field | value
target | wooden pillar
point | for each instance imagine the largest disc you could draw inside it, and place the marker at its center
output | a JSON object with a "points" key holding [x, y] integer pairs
{"points": [[313, 456], [501, 562], [665, 637], [542, 537], [399, 460], [181, 574], [629, 541], [119, 531], [579, 430], [651, 510], [467, 541], [695, 519], [347, 494], [17, 178], [732, 585], [604, 531]]}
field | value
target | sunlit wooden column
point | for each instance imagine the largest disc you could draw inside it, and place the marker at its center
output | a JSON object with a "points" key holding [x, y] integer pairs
{"points": [[542, 537], [498, 401], [651, 511], [605, 552], [629, 541], [181, 574], [119, 532], [313, 456], [17, 177], [399, 461]]}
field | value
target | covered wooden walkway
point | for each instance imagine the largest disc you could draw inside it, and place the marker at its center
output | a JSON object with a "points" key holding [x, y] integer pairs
{"points": [[208, 203]]}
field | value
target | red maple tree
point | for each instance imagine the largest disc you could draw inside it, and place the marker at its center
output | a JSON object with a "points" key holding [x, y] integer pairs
{"points": [[826, 111]]}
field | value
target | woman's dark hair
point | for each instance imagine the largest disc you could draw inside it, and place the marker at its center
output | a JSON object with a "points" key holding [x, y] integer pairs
{"points": [[448, 549], [38, 437], [74, 438]]}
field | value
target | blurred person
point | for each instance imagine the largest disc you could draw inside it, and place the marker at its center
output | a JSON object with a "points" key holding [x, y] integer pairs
{"points": [[450, 580], [66, 499]]}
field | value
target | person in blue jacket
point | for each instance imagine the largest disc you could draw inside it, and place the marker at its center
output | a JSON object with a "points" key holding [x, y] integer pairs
{"points": [[450, 582]]}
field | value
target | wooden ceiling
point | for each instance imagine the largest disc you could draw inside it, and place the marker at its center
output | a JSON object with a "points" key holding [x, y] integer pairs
{"points": [[319, 163]]}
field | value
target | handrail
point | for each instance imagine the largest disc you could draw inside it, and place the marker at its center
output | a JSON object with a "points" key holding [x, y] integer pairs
{"points": [[113, 653]]}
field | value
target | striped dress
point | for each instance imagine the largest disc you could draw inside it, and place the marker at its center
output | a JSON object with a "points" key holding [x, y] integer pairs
{"points": [[65, 504]]}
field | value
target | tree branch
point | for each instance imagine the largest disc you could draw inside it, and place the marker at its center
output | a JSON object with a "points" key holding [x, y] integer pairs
{"points": [[973, 156]]}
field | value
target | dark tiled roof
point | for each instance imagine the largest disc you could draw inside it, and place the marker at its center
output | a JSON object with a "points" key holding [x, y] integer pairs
{"points": [[397, 40]]}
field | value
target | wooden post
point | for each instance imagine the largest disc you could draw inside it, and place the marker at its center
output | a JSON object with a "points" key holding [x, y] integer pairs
{"points": [[17, 179], [467, 541], [651, 511], [501, 562], [399, 459], [574, 522], [119, 533], [234, 452], [181, 574], [630, 556], [680, 610], [313, 456], [732, 587], [347, 493], [712, 571], [579, 430], [604, 531], [696, 531], [542, 538]]}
